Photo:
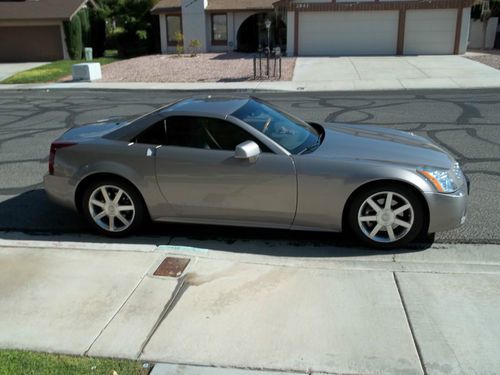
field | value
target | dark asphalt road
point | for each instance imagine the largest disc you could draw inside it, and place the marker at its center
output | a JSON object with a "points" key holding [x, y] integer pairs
{"points": [[467, 123]]}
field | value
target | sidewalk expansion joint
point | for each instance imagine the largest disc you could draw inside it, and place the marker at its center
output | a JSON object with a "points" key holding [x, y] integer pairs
{"points": [[179, 290], [410, 325], [257, 370], [85, 353]]}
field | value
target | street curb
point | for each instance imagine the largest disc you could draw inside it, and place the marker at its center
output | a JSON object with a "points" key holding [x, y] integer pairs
{"points": [[296, 88]]}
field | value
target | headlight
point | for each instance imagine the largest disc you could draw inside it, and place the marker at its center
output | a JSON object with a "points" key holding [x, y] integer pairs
{"points": [[445, 181]]}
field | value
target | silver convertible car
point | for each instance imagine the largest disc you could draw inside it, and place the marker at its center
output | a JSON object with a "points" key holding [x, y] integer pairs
{"points": [[241, 161]]}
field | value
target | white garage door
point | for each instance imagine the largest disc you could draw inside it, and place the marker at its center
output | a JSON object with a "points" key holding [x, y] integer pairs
{"points": [[348, 33], [430, 32]]}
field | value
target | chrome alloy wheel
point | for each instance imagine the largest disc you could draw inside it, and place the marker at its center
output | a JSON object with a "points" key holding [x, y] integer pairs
{"points": [[385, 217], [111, 208]]}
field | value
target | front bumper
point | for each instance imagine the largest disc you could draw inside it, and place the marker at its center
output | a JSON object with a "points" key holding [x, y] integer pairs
{"points": [[59, 190], [447, 211]]}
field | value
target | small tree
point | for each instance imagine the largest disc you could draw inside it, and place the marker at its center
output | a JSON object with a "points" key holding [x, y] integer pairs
{"points": [[73, 32], [194, 46], [179, 40], [85, 22]]}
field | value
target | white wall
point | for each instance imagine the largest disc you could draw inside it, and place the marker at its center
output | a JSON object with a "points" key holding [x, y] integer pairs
{"points": [[63, 38], [476, 39], [163, 33], [194, 22], [464, 34]]}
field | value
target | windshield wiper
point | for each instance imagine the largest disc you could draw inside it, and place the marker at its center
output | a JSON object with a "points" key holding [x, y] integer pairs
{"points": [[312, 147]]}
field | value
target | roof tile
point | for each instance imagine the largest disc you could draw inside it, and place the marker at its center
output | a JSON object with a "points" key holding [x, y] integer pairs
{"points": [[39, 9]]}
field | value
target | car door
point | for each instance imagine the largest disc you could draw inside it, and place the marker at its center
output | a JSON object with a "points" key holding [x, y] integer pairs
{"points": [[202, 180]]}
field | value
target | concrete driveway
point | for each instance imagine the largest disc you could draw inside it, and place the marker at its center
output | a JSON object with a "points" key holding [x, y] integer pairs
{"points": [[393, 72], [9, 69]]}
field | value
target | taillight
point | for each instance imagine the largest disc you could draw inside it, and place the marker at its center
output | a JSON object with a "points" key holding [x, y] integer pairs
{"points": [[52, 156]]}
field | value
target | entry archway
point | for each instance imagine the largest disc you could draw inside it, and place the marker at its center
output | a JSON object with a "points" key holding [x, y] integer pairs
{"points": [[252, 33]]}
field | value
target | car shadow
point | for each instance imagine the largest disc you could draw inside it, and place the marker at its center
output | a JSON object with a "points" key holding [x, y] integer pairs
{"points": [[32, 213]]}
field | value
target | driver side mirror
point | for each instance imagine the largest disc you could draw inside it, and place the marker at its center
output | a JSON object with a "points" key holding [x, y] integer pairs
{"points": [[247, 150]]}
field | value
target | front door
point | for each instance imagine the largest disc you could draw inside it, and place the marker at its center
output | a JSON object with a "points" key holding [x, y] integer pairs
{"points": [[202, 180]]}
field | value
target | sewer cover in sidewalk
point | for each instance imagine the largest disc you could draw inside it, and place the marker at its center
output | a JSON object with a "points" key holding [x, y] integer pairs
{"points": [[172, 267]]}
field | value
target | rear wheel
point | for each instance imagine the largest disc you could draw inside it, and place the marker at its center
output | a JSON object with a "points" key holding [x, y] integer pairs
{"points": [[113, 207], [386, 217]]}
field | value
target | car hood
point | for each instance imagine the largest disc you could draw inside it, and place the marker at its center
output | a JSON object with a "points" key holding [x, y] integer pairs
{"points": [[363, 142], [94, 130]]}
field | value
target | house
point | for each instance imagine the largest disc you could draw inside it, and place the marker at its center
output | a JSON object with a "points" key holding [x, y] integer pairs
{"points": [[318, 27], [33, 30]]}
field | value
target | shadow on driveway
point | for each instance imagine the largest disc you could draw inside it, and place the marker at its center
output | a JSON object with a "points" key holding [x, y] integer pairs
{"points": [[32, 213]]}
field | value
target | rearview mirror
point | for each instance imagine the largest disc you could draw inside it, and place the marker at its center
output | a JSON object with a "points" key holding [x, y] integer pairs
{"points": [[247, 150]]}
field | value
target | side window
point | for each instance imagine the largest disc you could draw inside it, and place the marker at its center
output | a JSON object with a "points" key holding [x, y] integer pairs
{"points": [[154, 135], [185, 131], [207, 133]]}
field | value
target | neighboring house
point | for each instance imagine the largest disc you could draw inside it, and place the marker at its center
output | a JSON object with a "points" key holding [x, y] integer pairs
{"points": [[33, 30], [319, 27], [220, 25]]}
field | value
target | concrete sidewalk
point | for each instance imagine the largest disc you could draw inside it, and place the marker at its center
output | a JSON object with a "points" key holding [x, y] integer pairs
{"points": [[334, 74], [9, 69], [432, 311]]}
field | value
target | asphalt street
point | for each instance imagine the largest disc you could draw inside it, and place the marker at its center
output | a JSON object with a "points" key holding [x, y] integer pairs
{"points": [[466, 123]]}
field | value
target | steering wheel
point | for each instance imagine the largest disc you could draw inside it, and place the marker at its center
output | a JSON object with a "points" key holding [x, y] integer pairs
{"points": [[266, 125]]}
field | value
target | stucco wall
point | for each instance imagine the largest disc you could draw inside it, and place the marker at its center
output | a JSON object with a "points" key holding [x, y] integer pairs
{"points": [[234, 21], [464, 33], [194, 23], [476, 39]]}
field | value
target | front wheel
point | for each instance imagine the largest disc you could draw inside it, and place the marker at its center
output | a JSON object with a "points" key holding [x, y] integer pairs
{"points": [[386, 217], [113, 207]]}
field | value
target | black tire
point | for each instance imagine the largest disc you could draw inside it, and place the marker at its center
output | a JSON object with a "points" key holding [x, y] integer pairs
{"points": [[401, 197], [129, 197]]}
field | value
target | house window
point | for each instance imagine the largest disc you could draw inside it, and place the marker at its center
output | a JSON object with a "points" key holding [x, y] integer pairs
{"points": [[219, 29], [174, 26]]}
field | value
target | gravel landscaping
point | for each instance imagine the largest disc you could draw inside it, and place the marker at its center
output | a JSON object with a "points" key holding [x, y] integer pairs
{"points": [[206, 67], [489, 57]]}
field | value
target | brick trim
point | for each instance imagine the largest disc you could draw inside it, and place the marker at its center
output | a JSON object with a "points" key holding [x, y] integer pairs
{"points": [[458, 31], [373, 6]]}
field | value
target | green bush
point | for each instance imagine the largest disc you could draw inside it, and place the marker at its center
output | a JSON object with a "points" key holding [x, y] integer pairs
{"points": [[134, 17], [73, 32], [97, 20], [83, 14], [179, 43], [194, 47]]}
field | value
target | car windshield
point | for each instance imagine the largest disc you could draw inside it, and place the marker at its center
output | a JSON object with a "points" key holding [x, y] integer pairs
{"points": [[291, 133]]}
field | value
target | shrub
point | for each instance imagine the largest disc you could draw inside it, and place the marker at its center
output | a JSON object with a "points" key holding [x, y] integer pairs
{"points": [[98, 32], [135, 18], [73, 32], [83, 14], [179, 40], [194, 46]]}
